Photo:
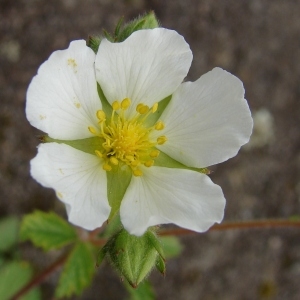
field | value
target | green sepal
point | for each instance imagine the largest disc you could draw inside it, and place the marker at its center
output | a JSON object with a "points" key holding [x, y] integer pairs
{"points": [[106, 107], [161, 265], [88, 145], [121, 33], [153, 118], [118, 27], [107, 35], [164, 160], [47, 230], [78, 271], [101, 255], [118, 180], [94, 42], [146, 21], [153, 239], [133, 257]]}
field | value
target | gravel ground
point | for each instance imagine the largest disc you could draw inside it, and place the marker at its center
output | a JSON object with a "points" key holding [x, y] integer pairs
{"points": [[258, 41]]}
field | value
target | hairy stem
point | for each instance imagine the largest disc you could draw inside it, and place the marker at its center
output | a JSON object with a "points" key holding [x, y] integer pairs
{"points": [[236, 225], [40, 277]]}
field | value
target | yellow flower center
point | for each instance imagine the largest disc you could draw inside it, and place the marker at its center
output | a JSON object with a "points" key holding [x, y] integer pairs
{"points": [[127, 141]]}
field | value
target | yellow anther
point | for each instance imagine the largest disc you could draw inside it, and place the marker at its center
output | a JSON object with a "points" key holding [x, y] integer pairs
{"points": [[144, 109], [154, 107], [92, 130], [154, 153], [161, 139], [114, 161], [98, 153], [159, 125], [130, 158], [134, 163], [139, 106], [125, 103], [106, 167], [127, 141], [101, 115], [116, 105], [149, 163], [137, 172]]}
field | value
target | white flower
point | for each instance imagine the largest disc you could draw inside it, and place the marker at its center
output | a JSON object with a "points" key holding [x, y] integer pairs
{"points": [[205, 122]]}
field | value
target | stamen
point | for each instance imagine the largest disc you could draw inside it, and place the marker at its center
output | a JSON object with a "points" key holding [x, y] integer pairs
{"points": [[101, 115], [159, 125], [114, 161], [149, 163], [98, 153], [161, 140], [130, 158], [125, 103], [144, 109], [137, 172], [154, 153], [92, 130], [107, 167], [116, 105], [139, 106], [134, 163], [154, 107]]}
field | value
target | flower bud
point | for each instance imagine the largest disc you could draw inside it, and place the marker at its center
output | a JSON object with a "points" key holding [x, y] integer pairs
{"points": [[134, 257]]}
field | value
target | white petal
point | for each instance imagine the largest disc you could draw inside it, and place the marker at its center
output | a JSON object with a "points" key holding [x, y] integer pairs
{"points": [[162, 195], [207, 121], [62, 98], [78, 179], [147, 67]]}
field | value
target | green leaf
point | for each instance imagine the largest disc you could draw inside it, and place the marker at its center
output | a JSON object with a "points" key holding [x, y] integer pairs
{"points": [[2, 261], [118, 180], [171, 245], [88, 145], [143, 292], [47, 230], [14, 276], [9, 229], [78, 271]]}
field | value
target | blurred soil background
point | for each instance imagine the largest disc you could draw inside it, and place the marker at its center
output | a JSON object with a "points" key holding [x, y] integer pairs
{"points": [[258, 41]]}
